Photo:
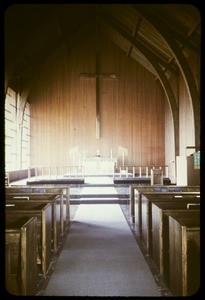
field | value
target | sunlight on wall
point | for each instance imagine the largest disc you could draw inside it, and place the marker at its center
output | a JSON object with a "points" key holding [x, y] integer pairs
{"points": [[17, 134]]}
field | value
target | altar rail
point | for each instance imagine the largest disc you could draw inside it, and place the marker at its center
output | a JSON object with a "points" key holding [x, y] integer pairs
{"points": [[79, 171], [58, 172], [138, 171]]}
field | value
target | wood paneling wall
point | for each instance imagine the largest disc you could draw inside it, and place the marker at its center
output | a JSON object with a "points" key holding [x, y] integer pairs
{"points": [[132, 109]]}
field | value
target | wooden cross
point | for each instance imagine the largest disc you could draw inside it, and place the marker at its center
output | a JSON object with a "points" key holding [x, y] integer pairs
{"points": [[98, 76]]}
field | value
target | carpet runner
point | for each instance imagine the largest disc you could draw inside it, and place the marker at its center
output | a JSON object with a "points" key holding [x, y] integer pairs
{"points": [[101, 257]]}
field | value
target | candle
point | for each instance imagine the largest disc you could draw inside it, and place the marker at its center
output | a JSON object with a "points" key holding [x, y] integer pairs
{"points": [[111, 153]]}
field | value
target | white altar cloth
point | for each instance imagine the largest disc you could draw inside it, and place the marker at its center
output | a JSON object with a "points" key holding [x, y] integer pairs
{"points": [[99, 165]]}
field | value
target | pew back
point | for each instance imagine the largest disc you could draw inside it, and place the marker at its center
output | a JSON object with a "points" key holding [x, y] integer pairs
{"points": [[21, 255], [138, 192], [43, 212], [146, 211], [56, 212], [160, 230], [33, 195], [184, 236], [135, 190], [46, 188]]}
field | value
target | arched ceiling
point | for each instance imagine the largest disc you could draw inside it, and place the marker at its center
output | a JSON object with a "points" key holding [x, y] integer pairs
{"points": [[33, 32]]}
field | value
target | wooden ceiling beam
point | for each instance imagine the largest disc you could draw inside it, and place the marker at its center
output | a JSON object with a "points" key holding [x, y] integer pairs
{"points": [[190, 33], [167, 65], [135, 31], [183, 65], [135, 42], [193, 29], [169, 27]]}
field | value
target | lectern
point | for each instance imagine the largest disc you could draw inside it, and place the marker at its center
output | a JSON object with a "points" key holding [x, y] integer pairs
{"points": [[156, 176]]}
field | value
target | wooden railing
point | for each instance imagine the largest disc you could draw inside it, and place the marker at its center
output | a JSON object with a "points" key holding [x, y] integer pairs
{"points": [[79, 171], [138, 171], [58, 172]]}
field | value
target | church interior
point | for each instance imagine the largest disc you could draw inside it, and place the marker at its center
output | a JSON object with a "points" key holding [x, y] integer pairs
{"points": [[102, 149]]}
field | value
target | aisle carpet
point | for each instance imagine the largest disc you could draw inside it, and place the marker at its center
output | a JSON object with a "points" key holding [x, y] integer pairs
{"points": [[100, 257]]}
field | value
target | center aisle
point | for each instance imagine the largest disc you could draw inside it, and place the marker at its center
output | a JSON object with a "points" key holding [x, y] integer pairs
{"points": [[101, 257]]}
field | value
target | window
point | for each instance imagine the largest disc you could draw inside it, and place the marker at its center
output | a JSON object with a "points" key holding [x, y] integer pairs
{"points": [[17, 134], [25, 141]]}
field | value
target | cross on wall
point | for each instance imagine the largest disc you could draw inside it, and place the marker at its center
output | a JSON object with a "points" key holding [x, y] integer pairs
{"points": [[98, 76]]}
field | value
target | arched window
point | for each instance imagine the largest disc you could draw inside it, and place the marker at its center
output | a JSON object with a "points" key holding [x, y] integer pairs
{"points": [[17, 133]]}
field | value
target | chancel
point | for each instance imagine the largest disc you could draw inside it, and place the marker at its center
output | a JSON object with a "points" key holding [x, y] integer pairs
{"points": [[102, 150]]}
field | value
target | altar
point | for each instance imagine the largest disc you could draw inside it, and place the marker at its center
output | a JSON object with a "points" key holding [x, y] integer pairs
{"points": [[99, 165]]}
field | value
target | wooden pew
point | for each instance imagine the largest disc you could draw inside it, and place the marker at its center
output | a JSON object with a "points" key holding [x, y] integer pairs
{"points": [[43, 198], [21, 255], [146, 211], [184, 236], [53, 188], [139, 191], [43, 212], [136, 189], [136, 192], [62, 189], [160, 230], [137, 211]]}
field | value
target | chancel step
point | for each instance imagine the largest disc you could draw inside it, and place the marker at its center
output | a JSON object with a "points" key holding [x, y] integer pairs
{"points": [[98, 190], [97, 195], [98, 201]]}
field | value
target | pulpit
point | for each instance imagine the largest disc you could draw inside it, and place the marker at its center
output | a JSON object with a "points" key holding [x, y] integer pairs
{"points": [[99, 165]]}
